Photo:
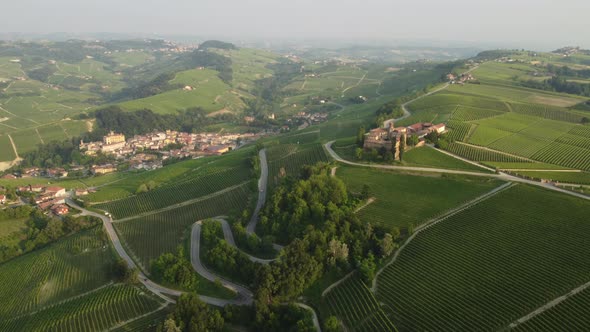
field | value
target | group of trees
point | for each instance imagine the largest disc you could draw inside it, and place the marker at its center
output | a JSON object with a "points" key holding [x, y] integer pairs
{"points": [[560, 84], [61, 154], [389, 110], [175, 269], [40, 229], [315, 215]]}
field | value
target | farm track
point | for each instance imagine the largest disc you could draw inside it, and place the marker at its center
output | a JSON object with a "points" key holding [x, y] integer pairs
{"points": [[550, 305], [185, 203]]}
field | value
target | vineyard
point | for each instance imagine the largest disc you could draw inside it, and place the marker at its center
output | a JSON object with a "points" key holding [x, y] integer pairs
{"points": [[146, 323], [150, 236], [564, 155], [355, 305], [565, 177], [491, 264], [571, 315], [479, 154], [288, 160], [458, 130], [67, 268], [467, 113], [547, 112], [176, 193], [414, 199], [96, 311], [519, 144]]}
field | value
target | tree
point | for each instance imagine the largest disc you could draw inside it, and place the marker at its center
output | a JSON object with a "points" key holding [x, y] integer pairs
{"points": [[413, 140], [402, 147], [332, 324], [387, 245], [193, 315], [360, 136], [170, 326], [338, 251], [374, 154], [358, 153], [142, 188], [389, 157], [367, 268]]}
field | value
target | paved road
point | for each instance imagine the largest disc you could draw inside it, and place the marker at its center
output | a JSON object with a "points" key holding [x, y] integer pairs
{"points": [[229, 238], [157, 289], [499, 176], [244, 294], [262, 187]]}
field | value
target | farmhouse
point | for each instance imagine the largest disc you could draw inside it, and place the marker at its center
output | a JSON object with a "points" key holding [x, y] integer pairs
{"points": [[390, 137], [103, 169], [60, 209], [2, 199]]}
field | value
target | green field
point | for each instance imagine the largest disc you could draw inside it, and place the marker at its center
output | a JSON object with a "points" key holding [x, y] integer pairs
{"points": [[478, 154], [6, 150], [354, 304], [287, 160], [404, 200], [491, 264], [148, 237], [430, 157], [70, 267], [121, 185], [96, 311], [176, 193], [571, 315]]}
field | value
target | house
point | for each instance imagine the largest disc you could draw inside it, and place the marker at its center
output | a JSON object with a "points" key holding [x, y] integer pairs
{"points": [[217, 149], [113, 138], [81, 192], [56, 191], [37, 188], [60, 209], [2, 199], [103, 169], [9, 176]]}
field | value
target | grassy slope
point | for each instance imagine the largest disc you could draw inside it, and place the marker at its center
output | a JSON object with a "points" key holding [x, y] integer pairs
{"points": [[491, 264], [403, 200]]}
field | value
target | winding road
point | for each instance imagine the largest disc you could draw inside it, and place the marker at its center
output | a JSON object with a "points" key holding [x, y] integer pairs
{"points": [[262, 185]]}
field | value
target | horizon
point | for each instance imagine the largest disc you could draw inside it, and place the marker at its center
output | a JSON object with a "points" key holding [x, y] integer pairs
{"points": [[501, 24]]}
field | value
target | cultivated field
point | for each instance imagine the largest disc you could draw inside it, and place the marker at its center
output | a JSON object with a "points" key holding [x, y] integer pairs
{"points": [[150, 236], [96, 311], [403, 200], [491, 264], [287, 160], [176, 193], [67, 268], [355, 305]]}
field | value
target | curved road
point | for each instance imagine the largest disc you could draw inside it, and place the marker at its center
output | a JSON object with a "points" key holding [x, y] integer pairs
{"points": [[262, 184]]}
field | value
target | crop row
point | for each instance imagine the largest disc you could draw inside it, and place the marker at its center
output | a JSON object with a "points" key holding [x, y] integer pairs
{"points": [[575, 140], [491, 264], [466, 113], [571, 315], [564, 155], [177, 193], [150, 236], [459, 130], [67, 268], [521, 145], [354, 303], [97, 311], [290, 164], [543, 111], [479, 154]]}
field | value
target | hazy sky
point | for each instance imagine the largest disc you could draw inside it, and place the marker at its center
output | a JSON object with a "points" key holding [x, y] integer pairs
{"points": [[512, 22]]}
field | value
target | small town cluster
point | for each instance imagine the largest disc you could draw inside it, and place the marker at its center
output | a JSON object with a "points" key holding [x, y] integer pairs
{"points": [[148, 151], [389, 137], [50, 199]]}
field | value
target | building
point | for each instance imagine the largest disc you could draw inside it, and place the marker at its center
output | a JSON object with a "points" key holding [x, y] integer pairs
{"points": [[103, 169], [60, 209], [217, 149], [2, 199], [56, 191], [113, 138]]}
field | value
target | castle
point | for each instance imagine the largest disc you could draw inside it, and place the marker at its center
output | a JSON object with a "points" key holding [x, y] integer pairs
{"points": [[390, 137]]}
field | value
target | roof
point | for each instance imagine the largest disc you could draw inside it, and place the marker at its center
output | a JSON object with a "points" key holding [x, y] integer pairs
{"points": [[54, 189]]}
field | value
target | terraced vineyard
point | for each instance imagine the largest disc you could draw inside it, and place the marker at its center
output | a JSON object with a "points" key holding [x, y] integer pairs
{"points": [[355, 305], [146, 323], [150, 236], [491, 264], [479, 154], [176, 193], [289, 162], [96, 311], [565, 177], [571, 315], [67, 268]]}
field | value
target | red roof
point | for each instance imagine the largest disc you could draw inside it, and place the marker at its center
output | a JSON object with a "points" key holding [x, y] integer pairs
{"points": [[54, 189]]}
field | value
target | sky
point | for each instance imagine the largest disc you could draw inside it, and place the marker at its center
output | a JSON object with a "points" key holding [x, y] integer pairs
{"points": [[501, 23]]}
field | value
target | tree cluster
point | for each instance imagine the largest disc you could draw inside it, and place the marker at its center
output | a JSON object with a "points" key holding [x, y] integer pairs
{"points": [[560, 84], [175, 269]]}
